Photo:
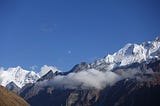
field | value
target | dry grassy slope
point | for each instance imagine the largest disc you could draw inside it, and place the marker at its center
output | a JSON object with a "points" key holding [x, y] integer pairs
{"points": [[8, 98]]}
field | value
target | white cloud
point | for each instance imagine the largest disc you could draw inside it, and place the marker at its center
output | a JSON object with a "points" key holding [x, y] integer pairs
{"points": [[92, 78], [1, 74], [85, 79]]}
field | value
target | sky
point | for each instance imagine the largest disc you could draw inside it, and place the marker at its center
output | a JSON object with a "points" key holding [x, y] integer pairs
{"points": [[63, 33]]}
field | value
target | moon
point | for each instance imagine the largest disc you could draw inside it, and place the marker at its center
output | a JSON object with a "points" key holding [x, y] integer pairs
{"points": [[69, 51]]}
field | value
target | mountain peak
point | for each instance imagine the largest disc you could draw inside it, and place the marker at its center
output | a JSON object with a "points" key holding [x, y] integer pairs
{"points": [[131, 53], [45, 69], [79, 67]]}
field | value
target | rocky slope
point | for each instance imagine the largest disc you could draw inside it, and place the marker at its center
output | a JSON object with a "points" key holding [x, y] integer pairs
{"points": [[8, 98]]}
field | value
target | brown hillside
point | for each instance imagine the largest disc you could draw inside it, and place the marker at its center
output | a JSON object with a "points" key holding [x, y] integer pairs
{"points": [[8, 98]]}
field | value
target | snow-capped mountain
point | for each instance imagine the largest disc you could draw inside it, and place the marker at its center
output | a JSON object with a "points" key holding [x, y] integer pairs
{"points": [[130, 53], [21, 77], [17, 75]]}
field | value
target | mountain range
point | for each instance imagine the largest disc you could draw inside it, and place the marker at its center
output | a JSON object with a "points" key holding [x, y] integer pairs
{"points": [[19, 77], [129, 77], [129, 54]]}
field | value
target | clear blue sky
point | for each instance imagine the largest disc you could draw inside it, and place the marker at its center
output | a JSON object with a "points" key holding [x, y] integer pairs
{"points": [[63, 33]]}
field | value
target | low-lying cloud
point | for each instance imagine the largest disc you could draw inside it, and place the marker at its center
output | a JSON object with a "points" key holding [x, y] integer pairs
{"points": [[92, 78], [83, 80]]}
